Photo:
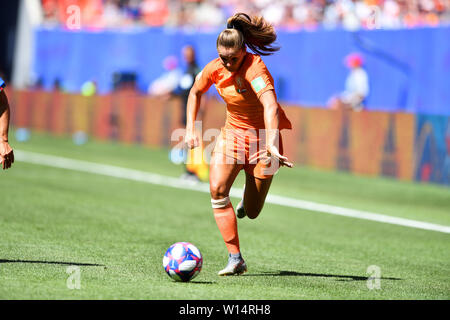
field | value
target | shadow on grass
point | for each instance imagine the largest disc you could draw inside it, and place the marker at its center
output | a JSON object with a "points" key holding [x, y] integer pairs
{"points": [[202, 282], [324, 275], [53, 262]]}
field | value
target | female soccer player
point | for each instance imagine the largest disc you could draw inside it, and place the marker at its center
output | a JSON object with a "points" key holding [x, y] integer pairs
{"points": [[6, 153], [250, 139]]}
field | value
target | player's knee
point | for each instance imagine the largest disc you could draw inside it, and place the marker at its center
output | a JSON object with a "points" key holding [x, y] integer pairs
{"points": [[218, 191], [253, 211], [252, 214]]}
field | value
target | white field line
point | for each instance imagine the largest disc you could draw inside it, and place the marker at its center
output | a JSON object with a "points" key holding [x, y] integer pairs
{"points": [[136, 175]]}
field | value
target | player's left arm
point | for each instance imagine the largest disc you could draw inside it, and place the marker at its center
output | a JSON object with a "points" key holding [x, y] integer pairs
{"points": [[271, 121], [6, 152]]}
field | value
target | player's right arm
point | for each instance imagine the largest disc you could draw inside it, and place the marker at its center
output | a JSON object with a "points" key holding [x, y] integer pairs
{"points": [[6, 152], [203, 82]]}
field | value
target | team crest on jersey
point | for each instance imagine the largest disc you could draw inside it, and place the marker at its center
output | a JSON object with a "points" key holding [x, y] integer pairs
{"points": [[240, 85]]}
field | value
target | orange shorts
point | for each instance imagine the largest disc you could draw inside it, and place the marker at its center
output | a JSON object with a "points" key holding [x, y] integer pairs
{"points": [[246, 148]]}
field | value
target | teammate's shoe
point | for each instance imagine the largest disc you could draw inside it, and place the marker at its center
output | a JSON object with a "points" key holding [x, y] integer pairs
{"points": [[235, 266]]}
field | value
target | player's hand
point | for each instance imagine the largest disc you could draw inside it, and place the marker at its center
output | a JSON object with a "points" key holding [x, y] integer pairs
{"points": [[191, 139], [272, 151], [6, 155]]}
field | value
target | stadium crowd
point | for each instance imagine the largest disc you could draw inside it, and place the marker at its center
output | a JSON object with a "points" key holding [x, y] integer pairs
{"points": [[284, 14]]}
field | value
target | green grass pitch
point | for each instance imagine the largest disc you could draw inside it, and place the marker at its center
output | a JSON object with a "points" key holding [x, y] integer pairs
{"points": [[116, 231]]}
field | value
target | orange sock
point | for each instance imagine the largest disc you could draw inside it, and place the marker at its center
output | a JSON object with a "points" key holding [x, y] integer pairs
{"points": [[226, 221]]}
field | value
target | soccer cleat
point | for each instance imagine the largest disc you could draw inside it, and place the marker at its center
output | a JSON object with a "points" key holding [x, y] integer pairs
{"points": [[235, 266], [240, 210]]}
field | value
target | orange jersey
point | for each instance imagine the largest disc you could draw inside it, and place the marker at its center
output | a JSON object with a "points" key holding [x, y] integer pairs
{"points": [[241, 140], [241, 91]]}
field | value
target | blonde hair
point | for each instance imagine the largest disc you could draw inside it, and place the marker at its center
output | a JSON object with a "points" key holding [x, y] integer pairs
{"points": [[254, 32]]}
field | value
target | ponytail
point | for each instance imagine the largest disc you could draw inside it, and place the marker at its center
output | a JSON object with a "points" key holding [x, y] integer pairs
{"points": [[254, 32]]}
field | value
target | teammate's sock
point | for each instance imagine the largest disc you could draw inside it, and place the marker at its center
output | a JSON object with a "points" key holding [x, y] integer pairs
{"points": [[227, 223]]}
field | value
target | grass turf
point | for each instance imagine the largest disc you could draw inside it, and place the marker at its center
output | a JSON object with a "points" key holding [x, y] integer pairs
{"points": [[53, 218]]}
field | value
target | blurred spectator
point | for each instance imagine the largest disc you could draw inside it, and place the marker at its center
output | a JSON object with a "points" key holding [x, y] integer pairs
{"points": [[154, 12], [176, 82], [209, 15], [187, 79], [168, 82], [192, 171], [274, 12], [57, 85], [356, 86], [112, 16], [50, 12], [390, 17], [288, 14], [89, 88]]}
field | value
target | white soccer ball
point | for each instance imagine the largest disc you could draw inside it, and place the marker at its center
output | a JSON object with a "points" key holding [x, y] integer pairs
{"points": [[182, 261]]}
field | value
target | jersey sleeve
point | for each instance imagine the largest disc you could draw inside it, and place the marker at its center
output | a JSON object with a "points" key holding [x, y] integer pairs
{"points": [[205, 79], [2, 84], [260, 78]]}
